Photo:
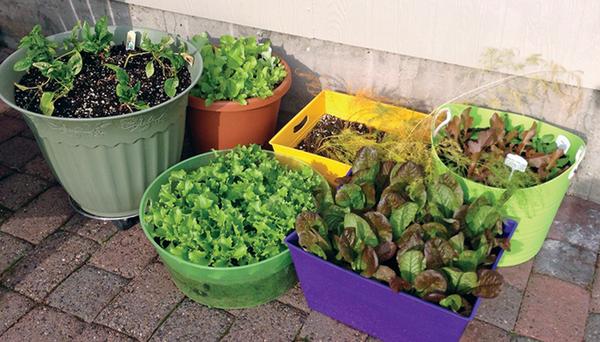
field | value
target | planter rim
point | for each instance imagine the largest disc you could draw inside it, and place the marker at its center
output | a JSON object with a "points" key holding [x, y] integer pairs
{"points": [[254, 102], [294, 236], [142, 215], [493, 188], [11, 60]]}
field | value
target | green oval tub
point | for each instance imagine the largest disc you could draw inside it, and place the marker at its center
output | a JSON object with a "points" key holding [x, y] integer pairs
{"points": [[223, 287], [534, 207]]}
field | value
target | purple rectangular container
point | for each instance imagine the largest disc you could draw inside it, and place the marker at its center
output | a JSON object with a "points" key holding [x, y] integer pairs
{"points": [[371, 306]]}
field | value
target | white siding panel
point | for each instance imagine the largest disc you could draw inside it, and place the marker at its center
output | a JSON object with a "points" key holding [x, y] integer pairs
{"points": [[453, 31]]}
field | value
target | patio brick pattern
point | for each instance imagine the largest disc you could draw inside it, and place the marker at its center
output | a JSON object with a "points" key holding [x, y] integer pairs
{"points": [[66, 277]]}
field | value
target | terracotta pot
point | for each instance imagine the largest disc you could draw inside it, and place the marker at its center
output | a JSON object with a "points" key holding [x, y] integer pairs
{"points": [[225, 124]]}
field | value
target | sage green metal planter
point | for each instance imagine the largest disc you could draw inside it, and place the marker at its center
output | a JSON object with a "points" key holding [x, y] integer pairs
{"points": [[105, 164], [222, 287], [534, 207]]}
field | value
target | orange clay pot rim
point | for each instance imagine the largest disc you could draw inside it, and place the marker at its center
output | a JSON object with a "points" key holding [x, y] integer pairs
{"points": [[253, 103]]}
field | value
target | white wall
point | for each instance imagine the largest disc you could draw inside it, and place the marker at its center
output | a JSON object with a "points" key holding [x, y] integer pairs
{"points": [[458, 31]]}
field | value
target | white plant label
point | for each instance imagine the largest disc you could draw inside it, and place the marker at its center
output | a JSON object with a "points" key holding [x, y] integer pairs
{"points": [[130, 40], [563, 143], [515, 162]]}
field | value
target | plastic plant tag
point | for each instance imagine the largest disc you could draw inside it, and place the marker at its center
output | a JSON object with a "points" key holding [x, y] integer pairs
{"points": [[130, 40], [515, 162], [563, 143]]}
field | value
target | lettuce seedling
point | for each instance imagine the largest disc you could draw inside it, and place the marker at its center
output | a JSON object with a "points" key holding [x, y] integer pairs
{"points": [[128, 95], [237, 69], [237, 210]]}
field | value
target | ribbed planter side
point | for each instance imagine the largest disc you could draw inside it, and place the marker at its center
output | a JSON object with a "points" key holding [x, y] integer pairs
{"points": [[107, 180], [105, 164]]}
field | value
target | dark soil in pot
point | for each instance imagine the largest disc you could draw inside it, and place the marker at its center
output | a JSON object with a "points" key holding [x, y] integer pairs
{"points": [[328, 126], [94, 91]]}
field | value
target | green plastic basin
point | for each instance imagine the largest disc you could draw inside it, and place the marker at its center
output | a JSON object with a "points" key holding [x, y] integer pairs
{"points": [[534, 207], [223, 287]]}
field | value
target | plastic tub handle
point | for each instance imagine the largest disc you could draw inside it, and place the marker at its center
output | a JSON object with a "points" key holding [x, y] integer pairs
{"points": [[444, 123], [300, 124], [578, 158]]}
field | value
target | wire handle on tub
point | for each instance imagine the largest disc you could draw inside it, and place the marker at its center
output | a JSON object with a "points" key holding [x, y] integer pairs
{"points": [[443, 123], [578, 158]]}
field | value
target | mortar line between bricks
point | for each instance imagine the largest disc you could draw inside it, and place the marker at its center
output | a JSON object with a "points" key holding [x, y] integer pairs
{"points": [[6, 209], [523, 298], [60, 228], [96, 268], [42, 300], [52, 182], [36, 304], [77, 318], [9, 268], [129, 281], [228, 328], [160, 323], [566, 281], [64, 279], [233, 318], [19, 170], [591, 290], [47, 187]]}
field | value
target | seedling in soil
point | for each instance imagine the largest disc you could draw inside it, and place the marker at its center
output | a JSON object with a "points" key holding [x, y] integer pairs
{"points": [[126, 93], [60, 73], [162, 51], [38, 49], [81, 65], [96, 41]]}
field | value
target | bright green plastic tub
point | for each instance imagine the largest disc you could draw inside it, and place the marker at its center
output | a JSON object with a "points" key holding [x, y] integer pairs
{"points": [[534, 207], [105, 164], [223, 287]]}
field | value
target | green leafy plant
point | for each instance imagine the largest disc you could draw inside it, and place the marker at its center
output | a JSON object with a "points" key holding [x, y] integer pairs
{"points": [[37, 49], [391, 223], [96, 41], [236, 69], [61, 75], [128, 95], [62, 71], [234, 211], [479, 153], [161, 51]]}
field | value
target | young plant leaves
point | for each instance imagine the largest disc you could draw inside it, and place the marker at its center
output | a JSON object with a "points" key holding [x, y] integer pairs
{"points": [[47, 103], [430, 281], [411, 263], [402, 217], [489, 285], [171, 85], [364, 234], [149, 69], [452, 302], [350, 196]]}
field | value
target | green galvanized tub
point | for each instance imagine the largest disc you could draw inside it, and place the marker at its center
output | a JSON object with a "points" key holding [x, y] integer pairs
{"points": [[534, 207], [223, 287], [105, 164]]}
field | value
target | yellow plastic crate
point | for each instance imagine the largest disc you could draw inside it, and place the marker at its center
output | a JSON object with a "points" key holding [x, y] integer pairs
{"points": [[343, 106]]}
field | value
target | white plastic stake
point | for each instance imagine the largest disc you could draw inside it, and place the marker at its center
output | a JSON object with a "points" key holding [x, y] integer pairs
{"points": [[130, 45], [515, 162], [563, 143]]}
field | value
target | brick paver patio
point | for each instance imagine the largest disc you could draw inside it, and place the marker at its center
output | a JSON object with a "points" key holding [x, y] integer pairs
{"points": [[65, 277]]}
